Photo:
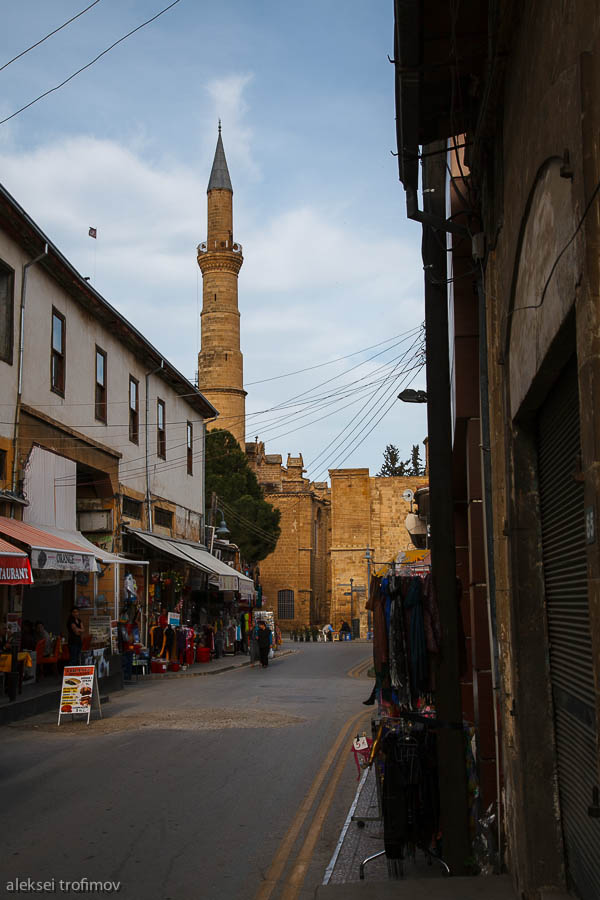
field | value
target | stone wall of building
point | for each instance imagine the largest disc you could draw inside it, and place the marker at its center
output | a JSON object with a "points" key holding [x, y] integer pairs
{"points": [[300, 561], [366, 512]]}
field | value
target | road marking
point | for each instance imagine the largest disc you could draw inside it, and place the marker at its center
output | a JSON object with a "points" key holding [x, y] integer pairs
{"points": [[344, 831], [361, 667], [280, 859], [294, 882]]}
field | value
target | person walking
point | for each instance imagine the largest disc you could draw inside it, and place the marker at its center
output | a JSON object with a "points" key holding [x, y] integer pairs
{"points": [[264, 643]]}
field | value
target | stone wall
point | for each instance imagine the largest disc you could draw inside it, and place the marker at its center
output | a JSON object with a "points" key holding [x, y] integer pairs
{"points": [[365, 512]]}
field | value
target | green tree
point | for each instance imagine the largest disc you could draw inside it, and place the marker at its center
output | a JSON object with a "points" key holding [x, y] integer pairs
{"points": [[392, 464], [417, 467], [252, 521]]}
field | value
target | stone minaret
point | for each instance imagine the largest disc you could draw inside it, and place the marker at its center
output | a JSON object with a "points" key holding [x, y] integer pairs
{"points": [[220, 362]]}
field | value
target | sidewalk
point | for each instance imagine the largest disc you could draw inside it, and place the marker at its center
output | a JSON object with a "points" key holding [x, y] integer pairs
{"points": [[362, 837], [45, 695]]}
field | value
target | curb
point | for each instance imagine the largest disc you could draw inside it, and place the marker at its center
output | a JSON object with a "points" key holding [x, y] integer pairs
{"points": [[164, 676]]}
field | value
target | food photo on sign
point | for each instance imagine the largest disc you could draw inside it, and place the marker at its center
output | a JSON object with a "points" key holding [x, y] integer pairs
{"points": [[77, 689]]}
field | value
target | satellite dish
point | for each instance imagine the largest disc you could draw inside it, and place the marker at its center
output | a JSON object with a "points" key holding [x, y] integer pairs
{"points": [[408, 495]]}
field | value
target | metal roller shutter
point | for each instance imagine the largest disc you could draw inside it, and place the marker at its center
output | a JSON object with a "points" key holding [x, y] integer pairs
{"points": [[571, 664]]}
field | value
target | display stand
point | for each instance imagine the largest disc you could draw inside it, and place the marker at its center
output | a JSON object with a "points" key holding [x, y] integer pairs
{"points": [[80, 692]]}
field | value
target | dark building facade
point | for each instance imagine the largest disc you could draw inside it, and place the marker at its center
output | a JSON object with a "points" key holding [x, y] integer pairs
{"points": [[507, 97]]}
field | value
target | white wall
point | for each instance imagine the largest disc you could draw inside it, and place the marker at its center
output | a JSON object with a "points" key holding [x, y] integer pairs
{"points": [[168, 478]]}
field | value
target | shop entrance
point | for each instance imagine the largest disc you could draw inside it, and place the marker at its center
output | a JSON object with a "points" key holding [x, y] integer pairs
{"points": [[571, 663]]}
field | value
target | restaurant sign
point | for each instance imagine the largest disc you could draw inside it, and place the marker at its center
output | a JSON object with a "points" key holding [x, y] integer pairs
{"points": [[62, 559], [15, 570], [79, 692]]}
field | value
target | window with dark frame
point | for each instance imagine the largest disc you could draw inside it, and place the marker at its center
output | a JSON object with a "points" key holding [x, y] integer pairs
{"points": [[57, 356], [3, 455], [285, 604], [134, 421], [161, 434], [190, 449], [7, 303], [132, 508], [163, 517], [100, 392]]}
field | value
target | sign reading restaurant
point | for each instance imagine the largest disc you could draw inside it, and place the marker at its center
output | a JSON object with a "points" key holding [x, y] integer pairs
{"points": [[15, 570], [62, 559]]}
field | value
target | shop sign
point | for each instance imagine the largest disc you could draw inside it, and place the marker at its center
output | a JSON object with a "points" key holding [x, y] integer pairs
{"points": [[15, 570], [173, 619], [62, 559], [79, 692], [99, 629]]}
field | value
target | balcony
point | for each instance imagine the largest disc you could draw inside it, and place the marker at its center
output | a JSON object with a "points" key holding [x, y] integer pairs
{"points": [[219, 246]]}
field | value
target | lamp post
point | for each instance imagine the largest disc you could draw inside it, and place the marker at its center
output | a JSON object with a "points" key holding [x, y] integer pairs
{"points": [[222, 531]]}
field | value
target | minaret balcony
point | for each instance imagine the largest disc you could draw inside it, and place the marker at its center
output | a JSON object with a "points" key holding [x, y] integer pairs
{"points": [[219, 246]]}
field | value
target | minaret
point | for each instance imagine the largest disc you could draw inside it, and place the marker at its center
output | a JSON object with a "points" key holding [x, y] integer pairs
{"points": [[220, 362]]}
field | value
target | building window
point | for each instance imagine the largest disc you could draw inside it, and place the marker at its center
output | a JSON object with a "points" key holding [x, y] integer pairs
{"points": [[285, 604], [7, 285], [132, 508], [57, 360], [134, 421], [2, 465], [161, 434], [100, 395], [190, 449], [163, 517]]}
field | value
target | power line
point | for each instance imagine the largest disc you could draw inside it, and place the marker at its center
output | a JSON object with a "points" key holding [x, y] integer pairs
{"points": [[91, 63], [49, 35], [329, 363]]}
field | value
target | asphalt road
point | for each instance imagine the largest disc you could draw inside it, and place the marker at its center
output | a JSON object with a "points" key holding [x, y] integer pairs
{"points": [[223, 787]]}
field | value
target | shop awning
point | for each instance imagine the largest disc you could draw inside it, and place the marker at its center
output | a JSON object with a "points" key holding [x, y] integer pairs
{"points": [[76, 537], [164, 546], [225, 576], [229, 579], [47, 550], [14, 565]]}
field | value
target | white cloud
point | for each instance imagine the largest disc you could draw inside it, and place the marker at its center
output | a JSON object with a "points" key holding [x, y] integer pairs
{"points": [[227, 95], [313, 287]]}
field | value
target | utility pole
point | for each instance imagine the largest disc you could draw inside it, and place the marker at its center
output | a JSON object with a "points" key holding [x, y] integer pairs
{"points": [[451, 751], [369, 619]]}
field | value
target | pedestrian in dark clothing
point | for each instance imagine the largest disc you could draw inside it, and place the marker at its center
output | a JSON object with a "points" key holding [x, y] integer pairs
{"points": [[264, 643]]}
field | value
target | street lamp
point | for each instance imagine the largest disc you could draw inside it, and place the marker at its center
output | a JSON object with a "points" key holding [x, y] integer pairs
{"points": [[222, 531], [411, 396]]}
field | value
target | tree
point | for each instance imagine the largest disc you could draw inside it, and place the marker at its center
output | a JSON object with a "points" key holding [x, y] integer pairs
{"points": [[252, 521], [417, 468], [392, 465]]}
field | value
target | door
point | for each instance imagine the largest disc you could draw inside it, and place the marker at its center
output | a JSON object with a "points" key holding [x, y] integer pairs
{"points": [[571, 663]]}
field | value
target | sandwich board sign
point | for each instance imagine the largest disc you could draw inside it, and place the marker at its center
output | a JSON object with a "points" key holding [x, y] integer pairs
{"points": [[79, 692]]}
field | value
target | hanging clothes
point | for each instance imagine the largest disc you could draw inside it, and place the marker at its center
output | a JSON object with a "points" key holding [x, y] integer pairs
{"points": [[419, 661]]}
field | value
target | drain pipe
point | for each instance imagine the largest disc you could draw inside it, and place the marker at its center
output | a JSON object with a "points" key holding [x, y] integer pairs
{"points": [[20, 376], [488, 526], [148, 499]]}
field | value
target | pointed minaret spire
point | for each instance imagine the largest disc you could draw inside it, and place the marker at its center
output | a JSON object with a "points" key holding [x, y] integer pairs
{"points": [[220, 361], [219, 177]]}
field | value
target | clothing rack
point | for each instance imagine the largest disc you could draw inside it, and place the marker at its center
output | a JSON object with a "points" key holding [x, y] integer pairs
{"points": [[408, 754]]}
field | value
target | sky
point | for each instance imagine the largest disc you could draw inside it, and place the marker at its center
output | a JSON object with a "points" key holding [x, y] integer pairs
{"points": [[332, 267]]}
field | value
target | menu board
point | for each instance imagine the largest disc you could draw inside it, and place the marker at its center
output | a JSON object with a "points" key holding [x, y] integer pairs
{"points": [[99, 628], [79, 692]]}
